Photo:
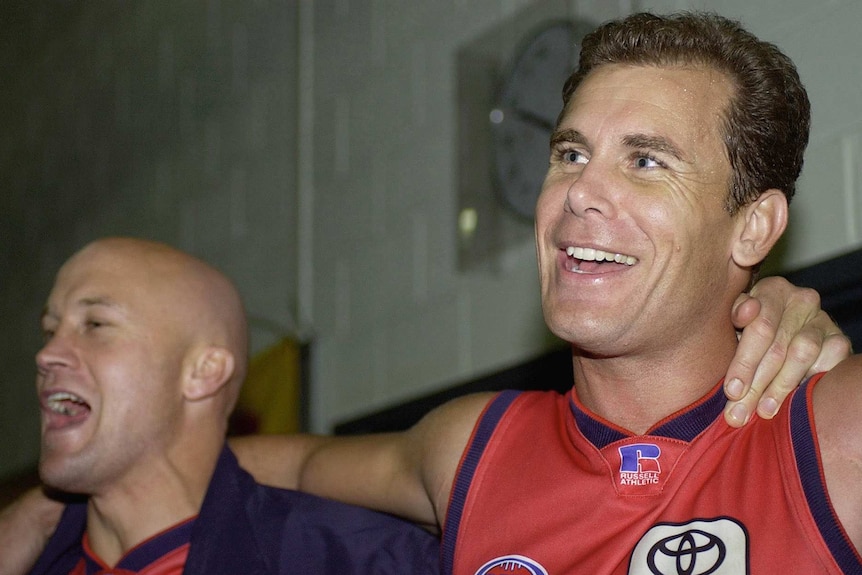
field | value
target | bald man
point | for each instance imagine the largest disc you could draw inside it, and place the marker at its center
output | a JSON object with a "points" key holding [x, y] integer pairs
{"points": [[145, 352]]}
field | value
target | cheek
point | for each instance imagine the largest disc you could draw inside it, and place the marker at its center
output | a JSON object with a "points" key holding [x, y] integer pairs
{"points": [[556, 184], [687, 215], [543, 205], [552, 201], [542, 221], [129, 373]]}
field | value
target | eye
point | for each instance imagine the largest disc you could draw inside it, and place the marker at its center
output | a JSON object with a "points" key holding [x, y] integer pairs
{"points": [[647, 161], [571, 156], [92, 324], [48, 327]]}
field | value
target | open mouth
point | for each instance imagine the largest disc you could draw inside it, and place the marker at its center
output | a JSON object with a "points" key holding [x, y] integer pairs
{"points": [[593, 261], [64, 408]]}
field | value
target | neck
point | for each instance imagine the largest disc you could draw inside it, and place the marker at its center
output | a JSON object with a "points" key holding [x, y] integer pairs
{"points": [[147, 502], [636, 391]]}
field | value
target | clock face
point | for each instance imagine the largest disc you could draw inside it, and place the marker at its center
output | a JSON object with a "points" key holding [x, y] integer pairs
{"points": [[527, 108]]}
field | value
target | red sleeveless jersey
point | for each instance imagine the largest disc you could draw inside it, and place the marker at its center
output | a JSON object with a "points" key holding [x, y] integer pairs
{"points": [[546, 487]]}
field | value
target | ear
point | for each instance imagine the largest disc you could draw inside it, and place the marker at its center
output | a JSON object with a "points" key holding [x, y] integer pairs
{"points": [[212, 369], [762, 223]]}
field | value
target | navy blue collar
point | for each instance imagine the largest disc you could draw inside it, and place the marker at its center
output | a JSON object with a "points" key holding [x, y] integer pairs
{"points": [[684, 425], [149, 551]]}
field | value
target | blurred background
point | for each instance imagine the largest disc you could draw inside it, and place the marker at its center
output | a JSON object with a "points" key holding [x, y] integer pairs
{"points": [[335, 158]]}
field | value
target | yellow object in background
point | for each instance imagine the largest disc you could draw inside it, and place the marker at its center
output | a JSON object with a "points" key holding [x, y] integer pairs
{"points": [[270, 398]]}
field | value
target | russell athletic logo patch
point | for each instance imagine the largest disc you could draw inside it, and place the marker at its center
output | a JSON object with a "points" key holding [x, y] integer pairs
{"points": [[511, 565], [639, 464]]}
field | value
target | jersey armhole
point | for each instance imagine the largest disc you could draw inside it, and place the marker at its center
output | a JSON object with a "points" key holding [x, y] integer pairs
{"points": [[482, 433], [806, 451]]}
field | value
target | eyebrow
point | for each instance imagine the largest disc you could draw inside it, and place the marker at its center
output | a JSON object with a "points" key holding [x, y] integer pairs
{"points": [[569, 135], [636, 141], [86, 302], [651, 142]]}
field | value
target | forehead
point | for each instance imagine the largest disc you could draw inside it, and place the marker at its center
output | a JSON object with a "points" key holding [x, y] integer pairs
{"points": [[686, 103], [97, 278]]}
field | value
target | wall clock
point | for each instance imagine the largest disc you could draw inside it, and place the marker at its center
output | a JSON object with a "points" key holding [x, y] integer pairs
{"points": [[509, 86], [527, 105]]}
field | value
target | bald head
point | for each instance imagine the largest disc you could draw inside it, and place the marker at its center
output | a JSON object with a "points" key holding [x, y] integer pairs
{"points": [[188, 301], [145, 351]]}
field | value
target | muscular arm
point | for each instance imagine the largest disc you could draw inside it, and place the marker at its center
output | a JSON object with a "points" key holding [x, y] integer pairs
{"points": [[408, 474], [276, 459]]}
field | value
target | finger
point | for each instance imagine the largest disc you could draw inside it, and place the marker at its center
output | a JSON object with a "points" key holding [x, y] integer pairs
{"points": [[836, 348], [763, 366], [800, 355], [769, 324], [789, 328], [800, 323], [810, 351], [737, 413], [755, 342], [744, 310]]}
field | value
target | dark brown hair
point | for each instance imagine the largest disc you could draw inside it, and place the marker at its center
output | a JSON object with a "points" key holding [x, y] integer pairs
{"points": [[768, 118]]}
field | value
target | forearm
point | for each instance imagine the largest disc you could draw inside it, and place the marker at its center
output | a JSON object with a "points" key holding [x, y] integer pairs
{"points": [[362, 470], [25, 527], [408, 474]]}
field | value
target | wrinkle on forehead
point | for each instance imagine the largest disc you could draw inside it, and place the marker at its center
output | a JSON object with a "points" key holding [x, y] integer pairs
{"points": [[682, 104]]}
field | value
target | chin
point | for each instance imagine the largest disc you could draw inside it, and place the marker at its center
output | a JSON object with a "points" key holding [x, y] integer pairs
{"points": [[59, 474], [575, 325]]}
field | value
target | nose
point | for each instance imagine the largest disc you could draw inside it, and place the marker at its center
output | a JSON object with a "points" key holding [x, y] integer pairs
{"points": [[57, 352], [590, 193]]}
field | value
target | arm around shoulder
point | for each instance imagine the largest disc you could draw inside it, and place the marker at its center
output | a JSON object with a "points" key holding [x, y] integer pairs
{"points": [[408, 474], [276, 460]]}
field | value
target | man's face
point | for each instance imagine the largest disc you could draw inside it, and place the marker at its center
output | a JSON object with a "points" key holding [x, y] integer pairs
{"points": [[638, 175], [107, 377]]}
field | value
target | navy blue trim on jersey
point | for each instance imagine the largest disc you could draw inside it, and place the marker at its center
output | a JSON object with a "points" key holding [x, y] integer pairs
{"points": [[686, 426], [594, 430], [808, 466], [461, 486], [150, 551], [693, 422]]}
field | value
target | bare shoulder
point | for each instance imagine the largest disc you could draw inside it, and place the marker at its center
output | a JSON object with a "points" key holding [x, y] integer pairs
{"points": [[440, 438], [444, 432], [837, 402], [838, 399], [456, 415]]}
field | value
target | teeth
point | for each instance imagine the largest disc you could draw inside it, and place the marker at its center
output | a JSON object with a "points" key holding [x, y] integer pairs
{"points": [[590, 254], [57, 402]]}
